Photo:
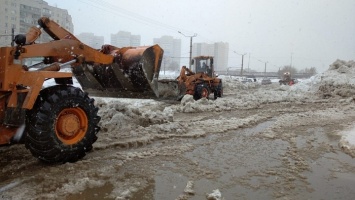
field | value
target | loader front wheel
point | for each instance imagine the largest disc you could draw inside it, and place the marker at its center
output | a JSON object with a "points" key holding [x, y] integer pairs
{"points": [[201, 91], [62, 125]]}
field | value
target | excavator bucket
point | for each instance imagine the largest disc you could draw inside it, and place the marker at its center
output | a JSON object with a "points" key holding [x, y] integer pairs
{"points": [[134, 73]]}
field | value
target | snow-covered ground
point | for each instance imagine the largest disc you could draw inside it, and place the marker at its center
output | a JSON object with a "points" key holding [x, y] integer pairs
{"points": [[339, 80], [257, 142]]}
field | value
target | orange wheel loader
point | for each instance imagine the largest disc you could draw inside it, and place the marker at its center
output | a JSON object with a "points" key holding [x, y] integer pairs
{"points": [[59, 123], [201, 81]]}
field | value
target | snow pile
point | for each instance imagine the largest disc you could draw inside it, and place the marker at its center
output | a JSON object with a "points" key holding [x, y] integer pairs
{"points": [[230, 85], [120, 116], [248, 97], [73, 187], [118, 113], [347, 142], [215, 195], [132, 122], [339, 80], [152, 119], [189, 188]]}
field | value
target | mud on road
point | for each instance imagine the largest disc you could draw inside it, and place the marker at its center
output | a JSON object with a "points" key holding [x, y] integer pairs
{"points": [[272, 149]]}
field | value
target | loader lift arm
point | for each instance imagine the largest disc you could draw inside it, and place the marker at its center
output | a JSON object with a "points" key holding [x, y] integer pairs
{"points": [[112, 71], [65, 46]]}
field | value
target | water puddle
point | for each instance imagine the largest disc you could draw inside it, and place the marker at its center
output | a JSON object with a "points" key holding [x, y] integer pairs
{"points": [[330, 178], [219, 162], [102, 192], [242, 165]]}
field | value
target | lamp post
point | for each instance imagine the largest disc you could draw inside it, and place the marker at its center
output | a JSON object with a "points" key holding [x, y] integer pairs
{"points": [[190, 45], [265, 67], [241, 70]]}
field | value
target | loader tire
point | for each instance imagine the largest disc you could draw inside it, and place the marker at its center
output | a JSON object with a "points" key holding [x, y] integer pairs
{"points": [[219, 91], [62, 125], [201, 91]]}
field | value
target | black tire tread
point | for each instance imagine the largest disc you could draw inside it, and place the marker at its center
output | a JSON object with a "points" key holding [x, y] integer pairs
{"points": [[41, 138], [198, 91]]}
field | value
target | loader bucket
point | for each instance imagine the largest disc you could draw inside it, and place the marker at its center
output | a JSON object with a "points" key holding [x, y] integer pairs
{"points": [[134, 73]]}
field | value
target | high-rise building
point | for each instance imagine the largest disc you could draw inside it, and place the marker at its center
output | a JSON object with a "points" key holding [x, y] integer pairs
{"points": [[202, 49], [218, 50], [125, 39], [221, 51], [172, 51], [20, 15], [135, 40], [91, 40]]}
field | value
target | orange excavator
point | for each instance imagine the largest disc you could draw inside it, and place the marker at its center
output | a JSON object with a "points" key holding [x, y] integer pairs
{"points": [[59, 123]]}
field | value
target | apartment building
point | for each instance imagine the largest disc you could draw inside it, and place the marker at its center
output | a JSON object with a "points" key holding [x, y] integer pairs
{"points": [[125, 39], [218, 50], [172, 51], [91, 40], [19, 15]]}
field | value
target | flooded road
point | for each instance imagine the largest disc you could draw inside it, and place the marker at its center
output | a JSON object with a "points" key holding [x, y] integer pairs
{"points": [[274, 151], [243, 166]]}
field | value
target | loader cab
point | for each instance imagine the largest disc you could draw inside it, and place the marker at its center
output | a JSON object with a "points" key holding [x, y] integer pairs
{"points": [[203, 64]]}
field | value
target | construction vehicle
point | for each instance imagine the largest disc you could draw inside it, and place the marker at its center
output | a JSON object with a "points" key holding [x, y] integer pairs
{"points": [[286, 79], [201, 81], [59, 123]]}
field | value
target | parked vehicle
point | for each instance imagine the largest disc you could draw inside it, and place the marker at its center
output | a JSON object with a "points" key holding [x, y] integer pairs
{"points": [[248, 80], [265, 82]]}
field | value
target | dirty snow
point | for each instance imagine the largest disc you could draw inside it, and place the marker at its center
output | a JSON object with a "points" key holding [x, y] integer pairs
{"points": [[130, 123], [144, 116]]}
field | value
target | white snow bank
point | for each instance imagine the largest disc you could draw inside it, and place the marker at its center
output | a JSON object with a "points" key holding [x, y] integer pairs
{"points": [[338, 80], [150, 118], [347, 141], [215, 195]]}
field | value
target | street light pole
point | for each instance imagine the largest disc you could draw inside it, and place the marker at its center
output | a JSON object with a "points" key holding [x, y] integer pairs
{"points": [[241, 70], [265, 70], [265, 67], [249, 63], [190, 45]]}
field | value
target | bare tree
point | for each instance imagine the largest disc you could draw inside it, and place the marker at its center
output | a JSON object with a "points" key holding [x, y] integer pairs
{"points": [[308, 72]]}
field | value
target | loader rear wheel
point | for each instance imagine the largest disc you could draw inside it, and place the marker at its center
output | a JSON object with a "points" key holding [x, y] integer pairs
{"points": [[201, 91], [62, 125]]}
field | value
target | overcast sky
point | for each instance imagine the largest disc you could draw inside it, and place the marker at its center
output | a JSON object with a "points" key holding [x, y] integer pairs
{"points": [[306, 33]]}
